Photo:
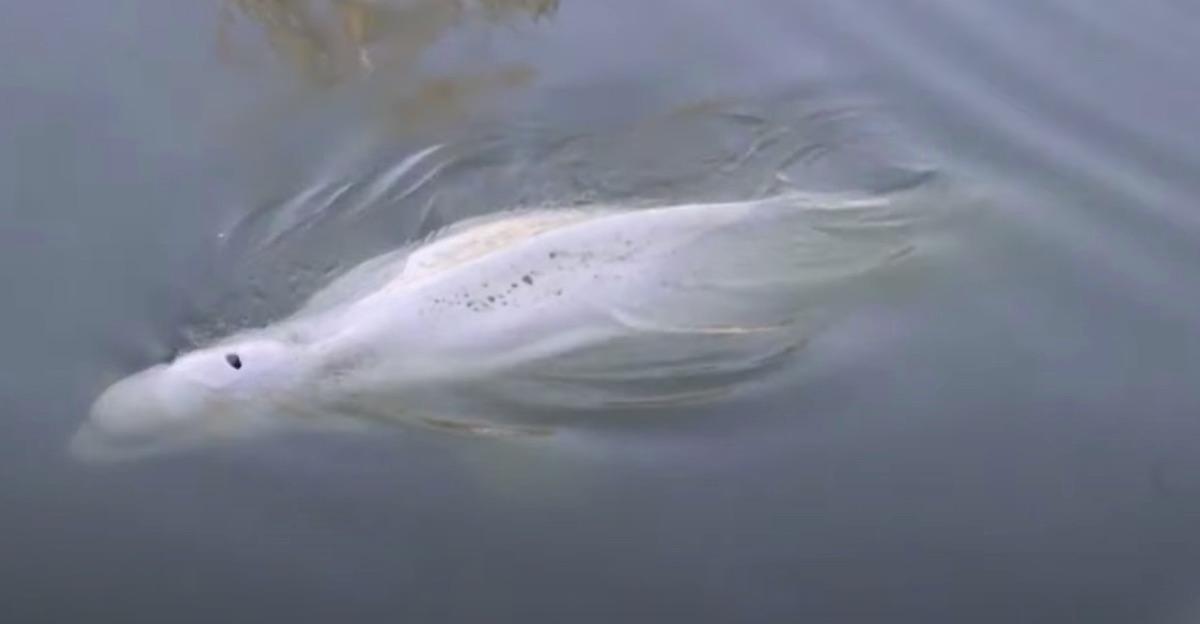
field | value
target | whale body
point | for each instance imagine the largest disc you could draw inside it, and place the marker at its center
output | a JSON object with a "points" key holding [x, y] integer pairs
{"points": [[515, 322]]}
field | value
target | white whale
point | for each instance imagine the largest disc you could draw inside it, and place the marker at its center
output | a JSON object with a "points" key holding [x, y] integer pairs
{"points": [[513, 323]]}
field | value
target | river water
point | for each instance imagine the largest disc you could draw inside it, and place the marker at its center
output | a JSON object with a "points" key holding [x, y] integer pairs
{"points": [[1011, 436]]}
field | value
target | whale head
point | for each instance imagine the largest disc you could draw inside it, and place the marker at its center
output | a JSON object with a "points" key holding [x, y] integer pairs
{"points": [[232, 389]]}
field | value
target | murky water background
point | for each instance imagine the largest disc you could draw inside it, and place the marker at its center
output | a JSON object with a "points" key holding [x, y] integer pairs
{"points": [[1011, 437]]}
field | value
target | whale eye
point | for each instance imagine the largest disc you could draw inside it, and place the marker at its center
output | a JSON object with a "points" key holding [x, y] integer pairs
{"points": [[233, 360]]}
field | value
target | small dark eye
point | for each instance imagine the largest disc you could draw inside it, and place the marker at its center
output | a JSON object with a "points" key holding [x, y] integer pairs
{"points": [[234, 360]]}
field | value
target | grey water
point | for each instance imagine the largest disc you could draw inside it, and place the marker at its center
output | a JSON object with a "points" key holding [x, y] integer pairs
{"points": [[1012, 434]]}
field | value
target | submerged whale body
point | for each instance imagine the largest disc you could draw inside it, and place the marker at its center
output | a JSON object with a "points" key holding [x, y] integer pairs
{"points": [[502, 324]]}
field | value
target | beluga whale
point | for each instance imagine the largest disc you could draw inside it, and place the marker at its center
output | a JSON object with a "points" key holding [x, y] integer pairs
{"points": [[520, 323]]}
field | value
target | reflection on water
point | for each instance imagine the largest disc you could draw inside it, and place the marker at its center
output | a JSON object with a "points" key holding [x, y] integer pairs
{"points": [[328, 42], [331, 42]]}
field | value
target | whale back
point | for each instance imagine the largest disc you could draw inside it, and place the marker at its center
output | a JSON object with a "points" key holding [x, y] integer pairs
{"points": [[444, 249], [468, 240], [662, 306]]}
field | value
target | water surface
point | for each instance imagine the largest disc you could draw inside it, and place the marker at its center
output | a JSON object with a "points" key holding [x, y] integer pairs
{"points": [[1012, 437]]}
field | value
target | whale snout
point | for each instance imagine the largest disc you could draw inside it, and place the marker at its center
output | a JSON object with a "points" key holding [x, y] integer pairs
{"points": [[137, 416]]}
